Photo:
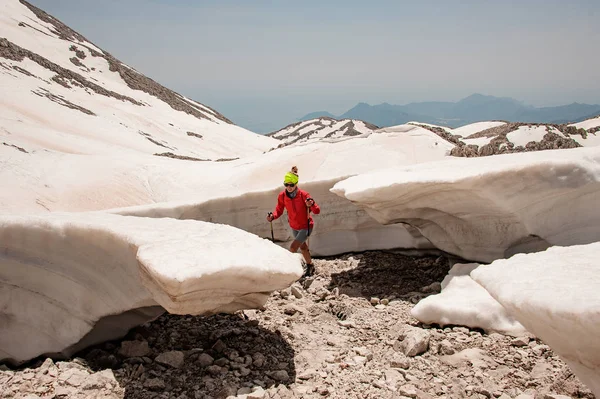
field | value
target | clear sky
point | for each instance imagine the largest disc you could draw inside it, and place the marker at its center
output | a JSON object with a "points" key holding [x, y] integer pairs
{"points": [[264, 64]]}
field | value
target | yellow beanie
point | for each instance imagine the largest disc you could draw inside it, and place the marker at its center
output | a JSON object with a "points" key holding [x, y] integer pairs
{"points": [[290, 178]]}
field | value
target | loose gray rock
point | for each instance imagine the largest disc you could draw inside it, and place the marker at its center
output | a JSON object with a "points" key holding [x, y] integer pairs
{"points": [[290, 310], [259, 359], [258, 393], [413, 341], [205, 360], [408, 390], [296, 292], [520, 341], [134, 349], [172, 358], [399, 360], [219, 346], [222, 362], [155, 384], [74, 376], [244, 391], [445, 348], [216, 370], [433, 287], [280, 375]]}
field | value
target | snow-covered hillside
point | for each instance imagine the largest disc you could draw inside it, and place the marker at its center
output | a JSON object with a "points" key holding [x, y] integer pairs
{"points": [[68, 182], [322, 128], [67, 95], [476, 139], [492, 138], [590, 125]]}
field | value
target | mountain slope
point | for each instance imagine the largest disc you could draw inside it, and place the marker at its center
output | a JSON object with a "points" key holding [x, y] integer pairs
{"points": [[321, 128], [68, 95]]}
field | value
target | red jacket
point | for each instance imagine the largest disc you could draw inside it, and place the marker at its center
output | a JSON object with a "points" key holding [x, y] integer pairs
{"points": [[296, 209]]}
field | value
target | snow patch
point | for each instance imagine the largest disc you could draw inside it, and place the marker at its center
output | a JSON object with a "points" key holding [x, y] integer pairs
{"points": [[554, 294]]}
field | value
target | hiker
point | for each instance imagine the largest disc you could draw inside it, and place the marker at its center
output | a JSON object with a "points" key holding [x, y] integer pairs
{"points": [[298, 204]]}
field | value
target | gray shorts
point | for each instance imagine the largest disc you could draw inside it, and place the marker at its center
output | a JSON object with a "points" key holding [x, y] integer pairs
{"points": [[301, 235]]}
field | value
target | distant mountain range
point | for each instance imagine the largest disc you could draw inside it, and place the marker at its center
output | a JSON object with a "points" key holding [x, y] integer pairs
{"points": [[475, 108]]}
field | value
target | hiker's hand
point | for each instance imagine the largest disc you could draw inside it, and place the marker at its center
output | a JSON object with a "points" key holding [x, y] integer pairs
{"points": [[270, 217], [310, 202]]}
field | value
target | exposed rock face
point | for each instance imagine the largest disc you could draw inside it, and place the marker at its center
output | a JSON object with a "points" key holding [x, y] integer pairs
{"points": [[11, 51], [499, 143], [463, 150]]}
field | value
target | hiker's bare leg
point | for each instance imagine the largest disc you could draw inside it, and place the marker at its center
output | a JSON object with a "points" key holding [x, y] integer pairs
{"points": [[294, 247], [306, 253]]}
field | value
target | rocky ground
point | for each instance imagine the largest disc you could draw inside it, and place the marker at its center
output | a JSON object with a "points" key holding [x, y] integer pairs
{"points": [[346, 333], [499, 143]]}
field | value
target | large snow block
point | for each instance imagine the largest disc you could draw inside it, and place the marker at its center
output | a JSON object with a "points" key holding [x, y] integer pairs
{"points": [[555, 294], [466, 303], [61, 273], [492, 207], [340, 227]]}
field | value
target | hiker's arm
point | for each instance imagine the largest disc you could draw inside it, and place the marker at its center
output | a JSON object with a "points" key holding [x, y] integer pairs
{"points": [[314, 208], [279, 208]]}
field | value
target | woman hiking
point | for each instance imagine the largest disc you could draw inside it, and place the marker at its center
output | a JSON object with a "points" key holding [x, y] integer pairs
{"points": [[298, 205]]}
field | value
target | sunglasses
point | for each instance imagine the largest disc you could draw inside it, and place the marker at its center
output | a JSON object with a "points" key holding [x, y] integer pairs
{"points": [[289, 184]]}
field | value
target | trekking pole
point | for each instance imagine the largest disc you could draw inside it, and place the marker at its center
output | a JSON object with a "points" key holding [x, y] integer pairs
{"points": [[272, 236], [308, 225]]}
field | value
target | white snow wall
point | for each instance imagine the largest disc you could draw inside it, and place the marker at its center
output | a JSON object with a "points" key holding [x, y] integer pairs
{"points": [[491, 207], [61, 273], [340, 227], [555, 295]]}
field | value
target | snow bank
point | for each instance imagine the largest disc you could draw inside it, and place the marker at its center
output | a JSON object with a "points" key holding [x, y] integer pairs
{"points": [[591, 140], [62, 273], [447, 129], [340, 227], [476, 127], [464, 302], [554, 294], [525, 134], [491, 207], [588, 123]]}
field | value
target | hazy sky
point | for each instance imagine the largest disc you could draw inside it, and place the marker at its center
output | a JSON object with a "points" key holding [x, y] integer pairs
{"points": [[263, 64]]}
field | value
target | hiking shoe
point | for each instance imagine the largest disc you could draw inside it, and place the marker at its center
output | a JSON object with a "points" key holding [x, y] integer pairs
{"points": [[309, 271]]}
